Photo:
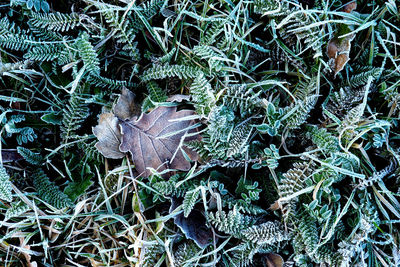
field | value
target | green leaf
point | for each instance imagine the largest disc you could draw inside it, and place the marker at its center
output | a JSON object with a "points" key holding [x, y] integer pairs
{"points": [[54, 118], [77, 188]]}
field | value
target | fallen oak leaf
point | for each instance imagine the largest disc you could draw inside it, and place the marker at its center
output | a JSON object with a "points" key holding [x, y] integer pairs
{"points": [[155, 139]]}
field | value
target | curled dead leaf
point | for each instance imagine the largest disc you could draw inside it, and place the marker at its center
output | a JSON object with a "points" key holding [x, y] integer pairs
{"points": [[338, 51], [194, 226], [340, 61]]}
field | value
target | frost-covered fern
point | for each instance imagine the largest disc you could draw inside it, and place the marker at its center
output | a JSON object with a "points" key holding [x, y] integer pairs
{"points": [[55, 21], [5, 185], [48, 191]]}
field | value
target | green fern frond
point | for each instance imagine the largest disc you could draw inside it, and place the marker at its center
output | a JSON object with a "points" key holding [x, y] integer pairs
{"points": [[167, 57], [16, 210], [75, 113], [325, 254], [156, 94], [16, 41], [296, 35], [293, 181], [55, 21], [44, 33], [378, 176], [49, 192], [198, 147], [231, 223], [24, 134], [189, 201], [300, 112], [6, 27], [44, 52], [266, 233], [361, 78], [239, 138], [124, 31], [152, 253], [104, 82], [5, 185], [31, 157], [212, 33], [241, 206], [323, 139], [205, 52], [202, 95], [169, 188], [266, 6], [147, 9], [185, 252], [345, 99], [242, 98], [168, 71], [307, 230], [87, 53]]}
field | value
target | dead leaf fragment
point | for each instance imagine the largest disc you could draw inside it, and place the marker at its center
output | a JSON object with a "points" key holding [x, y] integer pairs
{"points": [[26, 254], [338, 51], [109, 136], [273, 260], [10, 155], [155, 140], [194, 226], [349, 7], [178, 98], [126, 107]]}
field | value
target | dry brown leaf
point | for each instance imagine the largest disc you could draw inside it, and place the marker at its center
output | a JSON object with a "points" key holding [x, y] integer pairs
{"points": [[275, 206], [109, 136], [338, 49], [194, 226], [154, 140], [26, 255], [126, 107], [273, 260], [338, 53], [349, 7]]}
